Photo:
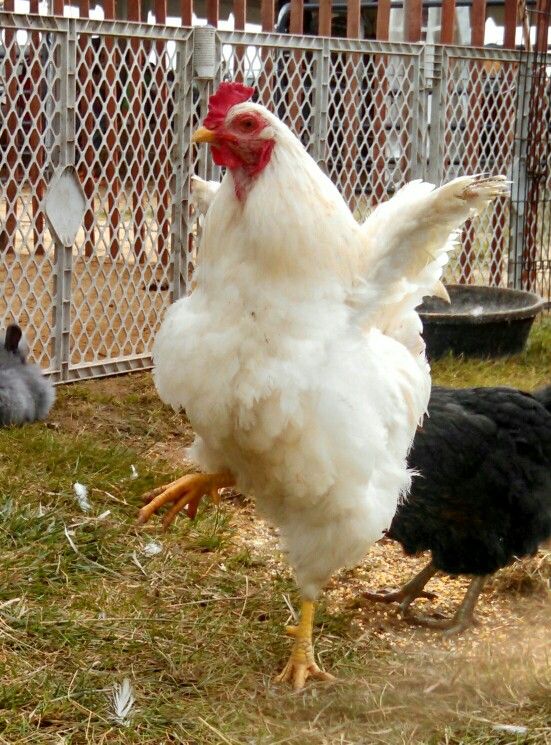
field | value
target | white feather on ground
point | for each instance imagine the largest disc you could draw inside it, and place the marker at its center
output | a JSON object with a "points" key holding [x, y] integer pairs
{"points": [[122, 700], [152, 548], [81, 494]]}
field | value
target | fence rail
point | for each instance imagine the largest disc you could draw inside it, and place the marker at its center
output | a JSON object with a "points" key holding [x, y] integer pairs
{"points": [[96, 133]]}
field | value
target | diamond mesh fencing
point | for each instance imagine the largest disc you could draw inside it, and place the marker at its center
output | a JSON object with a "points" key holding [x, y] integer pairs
{"points": [[111, 110], [531, 190], [354, 109], [30, 137], [371, 136], [474, 127], [97, 237], [121, 262]]}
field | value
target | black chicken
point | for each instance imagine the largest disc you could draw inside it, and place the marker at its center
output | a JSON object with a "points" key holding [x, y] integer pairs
{"points": [[483, 494]]}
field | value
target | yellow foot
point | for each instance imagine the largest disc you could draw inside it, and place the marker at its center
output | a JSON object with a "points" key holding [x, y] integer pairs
{"points": [[302, 664], [186, 491]]}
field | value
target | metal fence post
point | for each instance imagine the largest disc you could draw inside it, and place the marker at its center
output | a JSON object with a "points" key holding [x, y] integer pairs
{"points": [[418, 116], [519, 176], [63, 255], [429, 73], [321, 104], [437, 115], [207, 56], [182, 165]]}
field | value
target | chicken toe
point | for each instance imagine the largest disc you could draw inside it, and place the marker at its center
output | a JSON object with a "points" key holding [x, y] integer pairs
{"points": [[406, 594], [462, 618], [185, 492], [301, 664]]}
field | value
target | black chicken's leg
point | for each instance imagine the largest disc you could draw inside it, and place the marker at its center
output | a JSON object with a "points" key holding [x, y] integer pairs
{"points": [[462, 618], [407, 594]]}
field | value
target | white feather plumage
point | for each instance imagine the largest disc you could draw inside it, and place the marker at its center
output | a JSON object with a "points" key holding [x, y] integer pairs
{"points": [[122, 700], [298, 357]]}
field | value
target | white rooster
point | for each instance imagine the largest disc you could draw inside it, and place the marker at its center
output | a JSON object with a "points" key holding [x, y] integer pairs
{"points": [[297, 357]]}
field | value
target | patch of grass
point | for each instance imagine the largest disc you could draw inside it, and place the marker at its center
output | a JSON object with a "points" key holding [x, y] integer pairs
{"points": [[527, 371], [197, 628]]}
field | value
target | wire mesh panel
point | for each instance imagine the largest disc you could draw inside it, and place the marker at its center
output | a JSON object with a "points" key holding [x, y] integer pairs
{"points": [[355, 109], [125, 131], [113, 105], [372, 143], [30, 139], [96, 132], [473, 129], [284, 73], [531, 191]]}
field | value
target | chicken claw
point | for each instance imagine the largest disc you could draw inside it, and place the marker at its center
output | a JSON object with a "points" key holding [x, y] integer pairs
{"points": [[407, 594], [186, 491], [461, 620], [301, 664]]}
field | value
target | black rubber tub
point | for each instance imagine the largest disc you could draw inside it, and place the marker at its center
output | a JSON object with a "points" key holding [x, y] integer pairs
{"points": [[479, 321]]}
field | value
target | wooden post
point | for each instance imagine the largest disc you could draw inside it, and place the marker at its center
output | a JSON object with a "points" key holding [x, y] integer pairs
{"points": [[239, 13], [324, 20], [213, 12], [509, 36], [267, 14], [383, 20], [543, 11], [186, 12], [353, 18], [297, 17], [447, 24], [478, 22], [413, 15], [86, 133]]}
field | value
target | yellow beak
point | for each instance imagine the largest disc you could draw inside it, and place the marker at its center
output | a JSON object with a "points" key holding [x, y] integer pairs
{"points": [[203, 135]]}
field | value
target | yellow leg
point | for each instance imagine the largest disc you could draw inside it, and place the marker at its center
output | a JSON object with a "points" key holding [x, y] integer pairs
{"points": [[301, 663], [185, 491]]}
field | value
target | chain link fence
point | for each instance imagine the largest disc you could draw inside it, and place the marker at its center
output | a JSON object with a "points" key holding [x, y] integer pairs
{"points": [[96, 235]]}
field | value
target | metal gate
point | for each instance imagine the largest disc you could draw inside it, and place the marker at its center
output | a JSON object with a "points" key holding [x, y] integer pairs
{"points": [[96, 122], [96, 236], [472, 131]]}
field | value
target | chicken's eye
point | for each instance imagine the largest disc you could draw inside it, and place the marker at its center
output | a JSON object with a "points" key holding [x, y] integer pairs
{"points": [[247, 124]]}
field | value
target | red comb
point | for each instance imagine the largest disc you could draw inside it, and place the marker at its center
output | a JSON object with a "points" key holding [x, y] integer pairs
{"points": [[227, 95]]}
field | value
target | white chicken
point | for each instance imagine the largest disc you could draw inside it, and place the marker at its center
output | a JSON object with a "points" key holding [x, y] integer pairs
{"points": [[298, 357]]}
